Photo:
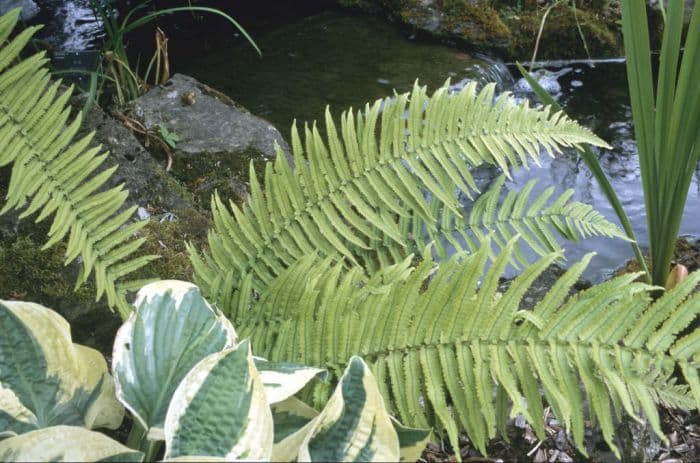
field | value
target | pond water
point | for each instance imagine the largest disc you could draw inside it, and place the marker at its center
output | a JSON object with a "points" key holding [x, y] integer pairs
{"points": [[70, 25], [343, 60]]}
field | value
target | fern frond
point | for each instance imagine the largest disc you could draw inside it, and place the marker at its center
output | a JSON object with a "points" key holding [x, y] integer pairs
{"points": [[52, 175], [439, 336], [349, 192], [537, 221]]}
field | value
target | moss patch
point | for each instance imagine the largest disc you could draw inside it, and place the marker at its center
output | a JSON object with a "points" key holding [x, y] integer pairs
{"points": [[475, 22], [167, 239], [29, 273], [560, 35], [509, 27]]}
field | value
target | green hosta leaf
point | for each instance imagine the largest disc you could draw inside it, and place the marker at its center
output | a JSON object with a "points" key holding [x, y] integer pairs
{"points": [[171, 330], [293, 421], [283, 380], [45, 378], [354, 425], [219, 409], [411, 440], [65, 443]]}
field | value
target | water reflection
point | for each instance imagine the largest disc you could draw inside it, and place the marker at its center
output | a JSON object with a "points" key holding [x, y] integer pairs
{"points": [[70, 25]]}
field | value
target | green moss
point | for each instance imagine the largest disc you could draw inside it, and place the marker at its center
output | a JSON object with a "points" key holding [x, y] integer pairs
{"points": [[477, 23], [31, 274], [226, 174], [167, 239], [560, 36]]}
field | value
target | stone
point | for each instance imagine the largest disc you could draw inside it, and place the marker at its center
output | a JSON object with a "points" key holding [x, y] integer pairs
{"points": [[29, 8], [216, 138], [149, 185], [27, 272], [508, 29]]}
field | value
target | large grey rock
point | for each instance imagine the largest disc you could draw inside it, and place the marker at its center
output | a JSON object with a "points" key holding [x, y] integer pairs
{"points": [[217, 138], [149, 185], [29, 8]]}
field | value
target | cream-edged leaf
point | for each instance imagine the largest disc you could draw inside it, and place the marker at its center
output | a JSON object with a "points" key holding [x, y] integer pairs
{"points": [[172, 328], [219, 409], [354, 425], [47, 379], [293, 421], [105, 411], [283, 380], [65, 443], [412, 441]]}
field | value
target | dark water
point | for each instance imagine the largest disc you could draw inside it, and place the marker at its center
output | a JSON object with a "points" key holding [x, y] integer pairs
{"points": [[597, 97], [342, 60], [346, 61], [328, 59]]}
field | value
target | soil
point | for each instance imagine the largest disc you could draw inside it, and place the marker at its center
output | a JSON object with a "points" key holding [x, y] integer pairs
{"points": [[682, 429]]}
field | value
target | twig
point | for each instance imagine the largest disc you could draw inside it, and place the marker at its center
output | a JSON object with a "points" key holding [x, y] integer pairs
{"points": [[136, 126]]}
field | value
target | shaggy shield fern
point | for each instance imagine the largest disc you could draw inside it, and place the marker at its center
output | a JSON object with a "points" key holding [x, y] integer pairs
{"points": [[52, 175], [386, 177], [452, 352]]}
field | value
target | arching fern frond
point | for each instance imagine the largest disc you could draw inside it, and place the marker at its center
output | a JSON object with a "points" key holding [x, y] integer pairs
{"points": [[346, 193], [536, 219], [52, 175], [440, 336]]}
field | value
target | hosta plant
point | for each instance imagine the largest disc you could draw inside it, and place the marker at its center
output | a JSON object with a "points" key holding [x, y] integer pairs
{"points": [[187, 380]]}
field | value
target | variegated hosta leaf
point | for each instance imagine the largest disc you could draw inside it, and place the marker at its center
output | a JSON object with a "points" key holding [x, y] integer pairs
{"points": [[354, 425], [220, 409], [411, 440], [283, 380], [293, 421], [171, 330], [46, 379], [65, 443]]}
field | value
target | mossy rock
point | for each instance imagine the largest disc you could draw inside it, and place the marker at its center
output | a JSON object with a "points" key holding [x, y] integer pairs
{"points": [[472, 22], [561, 37], [508, 27], [30, 273], [167, 237]]}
